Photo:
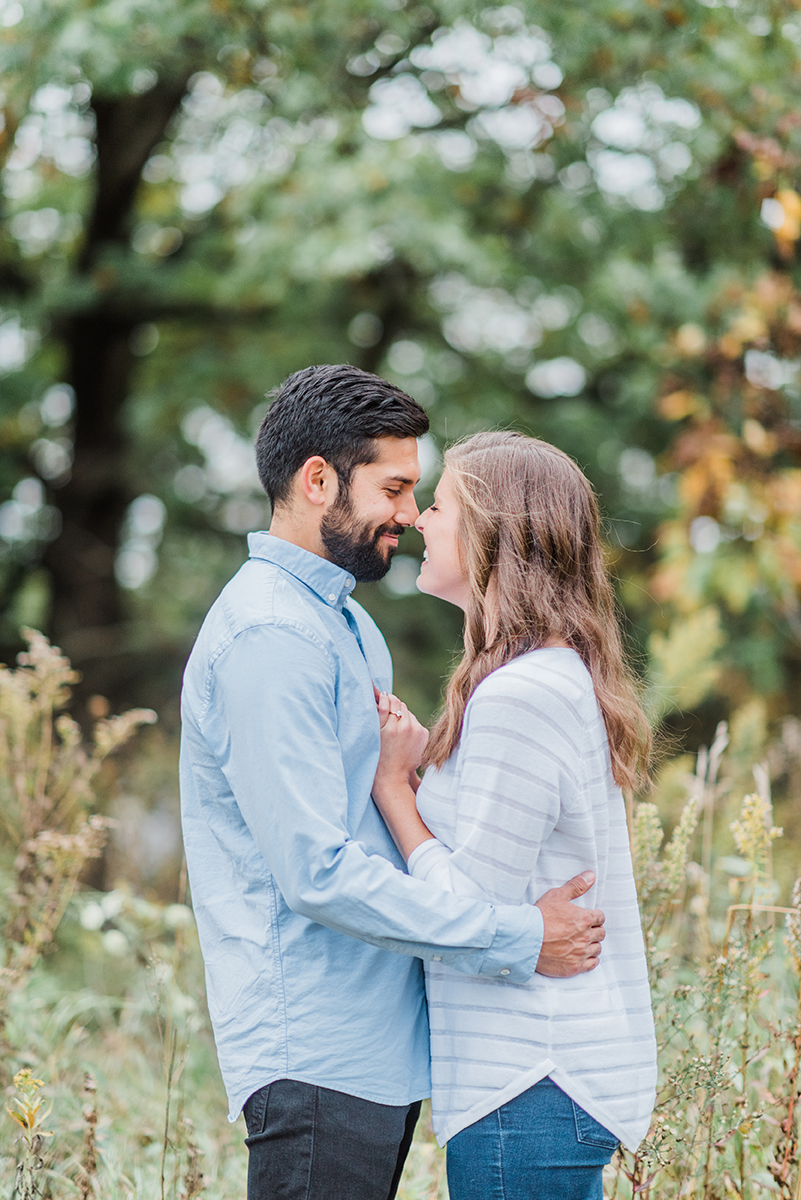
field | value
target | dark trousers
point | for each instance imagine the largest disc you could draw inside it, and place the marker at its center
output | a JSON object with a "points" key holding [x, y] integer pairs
{"points": [[311, 1143]]}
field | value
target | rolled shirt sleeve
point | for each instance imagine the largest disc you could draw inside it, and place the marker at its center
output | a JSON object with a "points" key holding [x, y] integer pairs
{"points": [[271, 722]]}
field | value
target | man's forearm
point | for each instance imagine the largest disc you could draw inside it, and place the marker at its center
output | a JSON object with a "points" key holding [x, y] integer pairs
{"points": [[365, 897], [571, 935]]}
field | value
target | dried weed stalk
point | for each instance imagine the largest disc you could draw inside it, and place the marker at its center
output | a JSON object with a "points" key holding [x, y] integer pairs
{"points": [[727, 1005], [88, 1165], [46, 793]]}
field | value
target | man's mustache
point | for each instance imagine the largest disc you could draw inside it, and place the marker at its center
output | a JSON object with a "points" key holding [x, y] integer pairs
{"points": [[392, 530]]}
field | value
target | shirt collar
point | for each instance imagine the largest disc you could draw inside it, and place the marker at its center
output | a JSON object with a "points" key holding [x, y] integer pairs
{"points": [[331, 583]]}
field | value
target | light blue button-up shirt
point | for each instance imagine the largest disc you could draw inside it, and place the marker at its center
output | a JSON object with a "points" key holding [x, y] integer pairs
{"points": [[312, 932]]}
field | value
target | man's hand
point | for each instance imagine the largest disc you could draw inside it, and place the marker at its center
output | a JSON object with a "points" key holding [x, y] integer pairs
{"points": [[573, 935]]}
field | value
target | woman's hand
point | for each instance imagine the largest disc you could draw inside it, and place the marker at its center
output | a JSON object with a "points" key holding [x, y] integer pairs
{"points": [[403, 740]]}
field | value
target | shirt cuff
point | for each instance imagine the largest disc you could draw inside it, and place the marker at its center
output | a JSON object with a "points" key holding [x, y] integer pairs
{"points": [[516, 947], [425, 857]]}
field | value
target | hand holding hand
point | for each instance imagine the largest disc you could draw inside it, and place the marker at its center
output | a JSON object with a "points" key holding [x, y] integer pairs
{"points": [[403, 740], [573, 935]]}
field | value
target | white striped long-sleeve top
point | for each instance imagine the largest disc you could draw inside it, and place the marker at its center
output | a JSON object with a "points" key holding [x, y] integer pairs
{"points": [[525, 802]]}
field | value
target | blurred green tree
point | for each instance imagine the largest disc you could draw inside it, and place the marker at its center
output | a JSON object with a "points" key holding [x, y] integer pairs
{"points": [[535, 215]]}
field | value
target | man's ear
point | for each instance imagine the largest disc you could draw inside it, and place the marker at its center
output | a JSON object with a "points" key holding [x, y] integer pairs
{"points": [[317, 481]]}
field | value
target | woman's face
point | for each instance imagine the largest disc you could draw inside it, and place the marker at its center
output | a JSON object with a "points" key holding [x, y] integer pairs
{"points": [[442, 573]]}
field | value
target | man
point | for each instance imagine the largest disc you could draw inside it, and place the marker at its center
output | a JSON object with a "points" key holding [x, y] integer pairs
{"points": [[312, 933]]}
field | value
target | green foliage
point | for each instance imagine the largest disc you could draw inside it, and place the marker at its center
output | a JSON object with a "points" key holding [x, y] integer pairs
{"points": [[683, 661], [446, 193], [119, 1000]]}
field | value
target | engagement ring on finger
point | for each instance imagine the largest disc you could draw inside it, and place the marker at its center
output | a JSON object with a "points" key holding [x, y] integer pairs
{"points": [[397, 714]]}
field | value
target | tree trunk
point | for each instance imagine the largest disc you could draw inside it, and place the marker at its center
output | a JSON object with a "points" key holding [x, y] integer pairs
{"points": [[92, 503], [88, 608]]}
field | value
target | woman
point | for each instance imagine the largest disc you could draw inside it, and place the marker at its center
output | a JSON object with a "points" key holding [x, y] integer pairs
{"points": [[534, 1085]]}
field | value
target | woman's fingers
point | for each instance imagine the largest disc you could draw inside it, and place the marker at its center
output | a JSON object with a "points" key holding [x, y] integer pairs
{"points": [[382, 700], [396, 708], [390, 706], [405, 723], [403, 740]]}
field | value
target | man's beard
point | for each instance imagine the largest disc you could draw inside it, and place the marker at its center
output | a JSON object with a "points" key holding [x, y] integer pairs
{"points": [[354, 546]]}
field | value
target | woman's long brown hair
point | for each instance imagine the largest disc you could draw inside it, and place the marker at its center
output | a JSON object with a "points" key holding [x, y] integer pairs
{"points": [[530, 542]]}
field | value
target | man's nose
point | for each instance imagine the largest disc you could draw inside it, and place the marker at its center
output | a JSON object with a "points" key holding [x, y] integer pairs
{"points": [[408, 512]]}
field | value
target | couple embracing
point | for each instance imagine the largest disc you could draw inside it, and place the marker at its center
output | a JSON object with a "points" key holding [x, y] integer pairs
{"points": [[370, 937]]}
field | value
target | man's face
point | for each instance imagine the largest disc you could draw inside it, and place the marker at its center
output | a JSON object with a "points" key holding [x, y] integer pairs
{"points": [[360, 530]]}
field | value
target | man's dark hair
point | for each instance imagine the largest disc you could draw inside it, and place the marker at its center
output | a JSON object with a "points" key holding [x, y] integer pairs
{"points": [[337, 412]]}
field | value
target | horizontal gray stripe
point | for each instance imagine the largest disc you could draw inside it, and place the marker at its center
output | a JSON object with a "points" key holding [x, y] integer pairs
{"points": [[554, 690], [580, 680], [520, 806], [502, 867], [489, 1037], [483, 1035], [508, 768], [507, 835], [500, 732], [518, 705]]}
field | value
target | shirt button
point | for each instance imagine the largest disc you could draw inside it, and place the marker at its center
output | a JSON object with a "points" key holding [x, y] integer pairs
{"points": [[437, 958], [505, 971], [348, 582], [331, 597]]}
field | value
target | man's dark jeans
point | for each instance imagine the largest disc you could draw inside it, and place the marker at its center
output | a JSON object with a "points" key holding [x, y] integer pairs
{"points": [[311, 1143]]}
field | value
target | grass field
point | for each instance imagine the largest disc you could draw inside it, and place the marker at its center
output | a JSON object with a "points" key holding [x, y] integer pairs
{"points": [[106, 1055]]}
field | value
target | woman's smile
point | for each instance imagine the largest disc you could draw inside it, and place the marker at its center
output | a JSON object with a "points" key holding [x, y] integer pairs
{"points": [[441, 571]]}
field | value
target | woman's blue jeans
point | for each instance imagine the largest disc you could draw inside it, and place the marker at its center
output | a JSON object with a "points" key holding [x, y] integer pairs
{"points": [[539, 1146]]}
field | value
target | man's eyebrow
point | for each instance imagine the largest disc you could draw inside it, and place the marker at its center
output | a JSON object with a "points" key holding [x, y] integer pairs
{"points": [[400, 479]]}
